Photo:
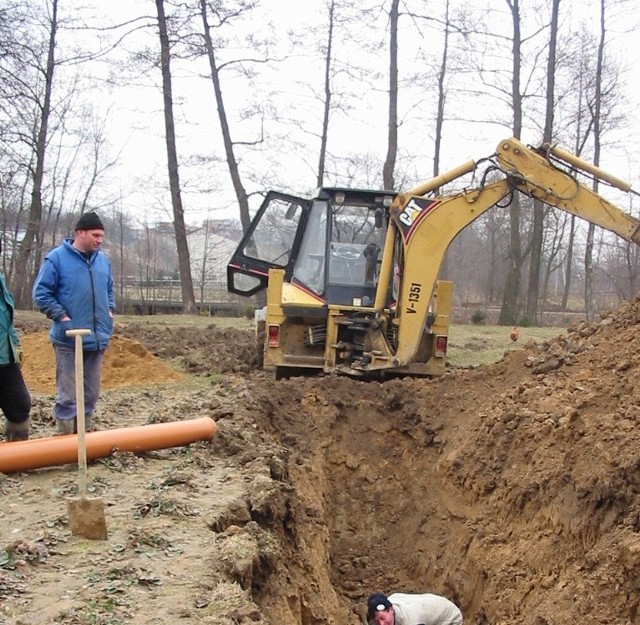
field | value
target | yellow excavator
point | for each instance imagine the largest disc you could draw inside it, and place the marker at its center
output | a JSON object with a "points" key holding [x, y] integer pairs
{"points": [[351, 275]]}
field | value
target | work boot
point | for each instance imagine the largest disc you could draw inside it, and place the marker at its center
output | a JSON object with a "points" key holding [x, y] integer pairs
{"points": [[16, 431], [66, 426], [88, 425]]}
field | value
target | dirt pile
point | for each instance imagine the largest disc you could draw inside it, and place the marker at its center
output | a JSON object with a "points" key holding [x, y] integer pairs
{"points": [[126, 363], [207, 351], [142, 354], [514, 489]]}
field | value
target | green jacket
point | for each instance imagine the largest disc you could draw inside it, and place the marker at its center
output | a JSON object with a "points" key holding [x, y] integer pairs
{"points": [[9, 341]]}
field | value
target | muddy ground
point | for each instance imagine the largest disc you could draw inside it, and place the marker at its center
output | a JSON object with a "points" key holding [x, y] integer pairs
{"points": [[513, 489]]}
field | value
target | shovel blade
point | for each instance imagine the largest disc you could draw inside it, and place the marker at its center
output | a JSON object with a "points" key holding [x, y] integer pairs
{"points": [[86, 517]]}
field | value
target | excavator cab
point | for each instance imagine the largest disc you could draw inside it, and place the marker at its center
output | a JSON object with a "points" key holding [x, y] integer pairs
{"points": [[329, 247], [274, 234], [320, 261]]}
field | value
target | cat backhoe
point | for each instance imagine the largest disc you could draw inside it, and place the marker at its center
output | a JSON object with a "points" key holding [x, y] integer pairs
{"points": [[351, 276]]}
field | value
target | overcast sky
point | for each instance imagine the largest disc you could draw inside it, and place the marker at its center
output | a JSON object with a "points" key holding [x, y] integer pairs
{"points": [[136, 124]]}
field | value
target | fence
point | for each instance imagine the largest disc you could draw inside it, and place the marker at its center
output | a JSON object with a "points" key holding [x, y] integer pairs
{"points": [[149, 297]]}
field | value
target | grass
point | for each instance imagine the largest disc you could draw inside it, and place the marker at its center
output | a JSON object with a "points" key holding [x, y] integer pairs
{"points": [[198, 321], [468, 344], [476, 344]]}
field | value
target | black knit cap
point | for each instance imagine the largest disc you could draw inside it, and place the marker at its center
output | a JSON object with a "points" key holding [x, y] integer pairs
{"points": [[377, 603], [89, 221]]}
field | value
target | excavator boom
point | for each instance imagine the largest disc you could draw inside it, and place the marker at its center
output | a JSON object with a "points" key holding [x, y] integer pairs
{"points": [[429, 225], [535, 175]]}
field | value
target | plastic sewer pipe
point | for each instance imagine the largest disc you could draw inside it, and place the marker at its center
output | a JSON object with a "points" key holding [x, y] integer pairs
{"points": [[37, 453]]}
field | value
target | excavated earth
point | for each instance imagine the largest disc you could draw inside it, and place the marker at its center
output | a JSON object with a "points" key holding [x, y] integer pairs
{"points": [[513, 489]]}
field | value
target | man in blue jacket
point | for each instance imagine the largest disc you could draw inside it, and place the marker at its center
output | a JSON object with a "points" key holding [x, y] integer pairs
{"points": [[74, 289], [15, 401]]}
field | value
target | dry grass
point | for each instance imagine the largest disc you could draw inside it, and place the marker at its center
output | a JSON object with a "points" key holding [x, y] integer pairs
{"points": [[199, 321], [468, 344], [475, 345]]}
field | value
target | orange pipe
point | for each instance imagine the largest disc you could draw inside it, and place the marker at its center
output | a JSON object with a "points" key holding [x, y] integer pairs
{"points": [[37, 453]]}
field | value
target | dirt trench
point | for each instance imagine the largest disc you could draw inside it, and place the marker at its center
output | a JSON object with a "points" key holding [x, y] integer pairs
{"points": [[513, 489]]}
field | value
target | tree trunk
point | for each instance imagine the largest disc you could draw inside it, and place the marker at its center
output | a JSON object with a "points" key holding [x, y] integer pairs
{"points": [[537, 235], [23, 275], [327, 99], [572, 231], [184, 262], [389, 166], [119, 219], [509, 309], [589, 300], [568, 274], [442, 74], [241, 194]]}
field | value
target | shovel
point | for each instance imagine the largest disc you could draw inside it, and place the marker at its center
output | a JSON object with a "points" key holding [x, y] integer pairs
{"points": [[86, 514]]}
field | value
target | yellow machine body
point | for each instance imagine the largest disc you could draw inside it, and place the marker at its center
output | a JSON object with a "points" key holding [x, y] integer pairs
{"points": [[351, 276]]}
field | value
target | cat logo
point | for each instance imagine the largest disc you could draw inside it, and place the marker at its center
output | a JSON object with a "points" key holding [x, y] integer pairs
{"points": [[410, 212], [413, 212]]}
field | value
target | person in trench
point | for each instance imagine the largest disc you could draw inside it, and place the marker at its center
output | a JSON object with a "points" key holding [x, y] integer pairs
{"points": [[412, 609]]}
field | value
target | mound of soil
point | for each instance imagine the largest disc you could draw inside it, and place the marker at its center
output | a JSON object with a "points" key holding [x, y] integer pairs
{"points": [[126, 363], [513, 489], [141, 354], [197, 350]]}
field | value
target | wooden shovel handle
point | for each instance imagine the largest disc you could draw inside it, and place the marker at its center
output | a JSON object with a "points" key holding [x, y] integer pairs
{"points": [[80, 422]]}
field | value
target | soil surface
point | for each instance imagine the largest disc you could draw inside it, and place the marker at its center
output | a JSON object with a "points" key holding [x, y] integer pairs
{"points": [[513, 489]]}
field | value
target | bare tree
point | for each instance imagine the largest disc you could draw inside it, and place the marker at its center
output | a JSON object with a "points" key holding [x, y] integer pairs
{"points": [[535, 258], [21, 284], [579, 80], [118, 259], [184, 263], [207, 263], [509, 309], [442, 75], [388, 169], [46, 140], [622, 268], [589, 302], [603, 119], [223, 16], [556, 225], [203, 269], [495, 235], [13, 191], [327, 96]]}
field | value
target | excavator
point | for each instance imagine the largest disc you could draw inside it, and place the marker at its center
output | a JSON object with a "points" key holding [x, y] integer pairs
{"points": [[351, 275]]}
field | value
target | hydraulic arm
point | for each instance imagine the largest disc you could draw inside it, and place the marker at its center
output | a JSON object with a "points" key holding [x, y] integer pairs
{"points": [[352, 274], [429, 225]]}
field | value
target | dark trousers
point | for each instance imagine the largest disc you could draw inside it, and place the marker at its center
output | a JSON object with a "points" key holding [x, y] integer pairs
{"points": [[15, 400]]}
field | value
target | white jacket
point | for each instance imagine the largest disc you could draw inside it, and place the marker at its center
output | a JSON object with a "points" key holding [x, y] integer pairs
{"points": [[426, 609]]}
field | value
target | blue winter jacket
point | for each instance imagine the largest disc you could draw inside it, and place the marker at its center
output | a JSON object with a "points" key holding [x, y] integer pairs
{"points": [[9, 342], [70, 284]]}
